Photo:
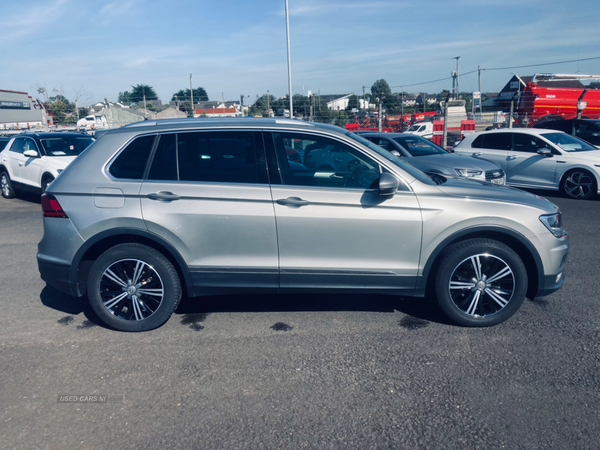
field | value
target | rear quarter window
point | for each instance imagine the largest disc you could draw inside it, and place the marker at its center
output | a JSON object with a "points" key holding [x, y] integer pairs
{"points": [[131, 162]]}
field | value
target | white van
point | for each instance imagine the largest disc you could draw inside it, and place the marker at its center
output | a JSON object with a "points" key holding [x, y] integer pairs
{"points": [[93, 122]]}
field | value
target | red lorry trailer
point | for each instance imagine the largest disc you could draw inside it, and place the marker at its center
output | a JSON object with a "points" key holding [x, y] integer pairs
{"points": [[537, 103]]}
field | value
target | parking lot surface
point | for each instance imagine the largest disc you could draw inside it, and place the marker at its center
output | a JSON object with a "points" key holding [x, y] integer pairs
{"points": [[313, 371]]}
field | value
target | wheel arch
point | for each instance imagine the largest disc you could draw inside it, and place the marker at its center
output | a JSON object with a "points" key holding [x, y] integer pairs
{"points": [[516, 241], [98, 244]]}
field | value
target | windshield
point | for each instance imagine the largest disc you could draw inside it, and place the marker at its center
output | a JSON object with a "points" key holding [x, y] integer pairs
{"points": [[418, 146], [66, 145], [414, 128], [568, 143], [390, 157]]}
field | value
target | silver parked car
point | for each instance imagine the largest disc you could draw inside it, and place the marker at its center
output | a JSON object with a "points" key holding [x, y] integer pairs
{"points": [[431, 158], [538, 158], [160, 208]]}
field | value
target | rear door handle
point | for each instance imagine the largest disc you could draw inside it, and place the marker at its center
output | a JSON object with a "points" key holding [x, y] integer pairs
{"points": [[164, 196], [292, 201], [476, 154], [513, 157]]}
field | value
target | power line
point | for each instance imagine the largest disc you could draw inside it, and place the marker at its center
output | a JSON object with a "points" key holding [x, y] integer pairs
{"points": [[496, 68]]}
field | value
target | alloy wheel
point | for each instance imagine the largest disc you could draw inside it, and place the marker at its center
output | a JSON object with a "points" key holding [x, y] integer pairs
{"points": [[579, 185], [131, 289], [482, 285]]}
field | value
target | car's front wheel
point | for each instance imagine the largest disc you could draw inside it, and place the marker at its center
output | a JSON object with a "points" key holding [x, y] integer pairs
{"points": [[46, 183], [132, 287], [579, 184], [6, 185], [480, 282]]}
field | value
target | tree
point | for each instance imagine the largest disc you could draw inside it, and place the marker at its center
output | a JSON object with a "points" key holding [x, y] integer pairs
{"points": [[594, 85], [137, 94], [200, 95], [381, 89], [125, 98]]}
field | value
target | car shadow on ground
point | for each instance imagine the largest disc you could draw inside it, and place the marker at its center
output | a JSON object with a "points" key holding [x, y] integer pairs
{"points": [[29, 197], [421, 310]]}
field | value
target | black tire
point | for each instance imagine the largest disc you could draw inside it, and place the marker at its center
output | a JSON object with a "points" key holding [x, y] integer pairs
{"points": [[6, 185], [140, 292], [45, 183], [465, 293], [578, 184]]}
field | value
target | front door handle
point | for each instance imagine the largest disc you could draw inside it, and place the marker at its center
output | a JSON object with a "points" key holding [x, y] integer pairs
{"points": [[292, 201], [164, 196], [512, 157], [21, 164], [476, 154]]}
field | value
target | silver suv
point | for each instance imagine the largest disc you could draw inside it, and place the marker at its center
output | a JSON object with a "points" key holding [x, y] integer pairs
{"points": [[201, 207]]}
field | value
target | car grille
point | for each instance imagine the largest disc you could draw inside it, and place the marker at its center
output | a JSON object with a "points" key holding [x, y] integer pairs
{"points": [[495, 176]]}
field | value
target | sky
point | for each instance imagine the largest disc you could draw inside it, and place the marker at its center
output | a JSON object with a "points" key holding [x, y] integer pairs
{"points": [[93, 50]]}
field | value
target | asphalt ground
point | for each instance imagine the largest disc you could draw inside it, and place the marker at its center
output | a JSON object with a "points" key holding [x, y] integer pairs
{"points": [[317, 371]]}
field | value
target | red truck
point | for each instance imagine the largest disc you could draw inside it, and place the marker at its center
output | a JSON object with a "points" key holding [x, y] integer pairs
{"points": [[536, 103]]}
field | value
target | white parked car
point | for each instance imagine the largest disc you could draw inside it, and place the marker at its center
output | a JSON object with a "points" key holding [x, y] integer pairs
{"points": [[538, 158], [31, 161]]}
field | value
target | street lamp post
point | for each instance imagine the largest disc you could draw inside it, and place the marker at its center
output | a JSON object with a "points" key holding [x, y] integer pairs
{"points": [[287, 32]]}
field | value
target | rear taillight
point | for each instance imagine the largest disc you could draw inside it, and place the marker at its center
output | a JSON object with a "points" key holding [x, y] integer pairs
{"points": [[51, 207]]}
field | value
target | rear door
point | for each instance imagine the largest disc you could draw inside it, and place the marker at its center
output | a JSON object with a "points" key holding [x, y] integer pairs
{"points": [[333, 228], [493, 147], [207, 192]]}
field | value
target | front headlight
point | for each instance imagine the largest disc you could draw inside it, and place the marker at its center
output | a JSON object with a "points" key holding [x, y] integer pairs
{"points": [[554, 224], [470, 173]]}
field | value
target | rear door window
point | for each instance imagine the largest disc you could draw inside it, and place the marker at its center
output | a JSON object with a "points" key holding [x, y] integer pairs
{"points": [[497, 141], [210, 156]]}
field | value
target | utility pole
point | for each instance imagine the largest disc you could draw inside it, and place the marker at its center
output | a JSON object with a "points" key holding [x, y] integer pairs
{"points": [[457, 89], [287, 32], [268, 109], [364, 96], [479, 77], [192, 95]]}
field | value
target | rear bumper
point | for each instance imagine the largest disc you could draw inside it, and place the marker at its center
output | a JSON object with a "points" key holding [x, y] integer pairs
{"points": [[58, 276]]}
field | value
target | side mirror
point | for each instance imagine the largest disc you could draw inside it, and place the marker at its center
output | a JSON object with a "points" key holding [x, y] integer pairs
{"points": [[30, 153], [388, 184], [396, 153], [545, 152]]}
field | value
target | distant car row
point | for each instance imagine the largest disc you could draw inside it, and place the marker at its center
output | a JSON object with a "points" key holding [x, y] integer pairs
{"points": [[531, 158]]}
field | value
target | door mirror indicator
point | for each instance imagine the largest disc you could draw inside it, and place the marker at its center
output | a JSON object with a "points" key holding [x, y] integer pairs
{"points": [[388, 184]]}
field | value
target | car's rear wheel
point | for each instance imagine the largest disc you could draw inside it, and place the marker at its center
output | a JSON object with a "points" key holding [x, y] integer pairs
{"points": [[6, 185], [579, 184], [132, 287], [480, 282]]}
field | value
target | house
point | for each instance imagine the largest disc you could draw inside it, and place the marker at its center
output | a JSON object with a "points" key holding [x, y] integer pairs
{"points": [[341, 103]]}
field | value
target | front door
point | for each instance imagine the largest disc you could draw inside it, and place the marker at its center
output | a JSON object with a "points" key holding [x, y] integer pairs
{"points": [[333, 227], [525, 167]]}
